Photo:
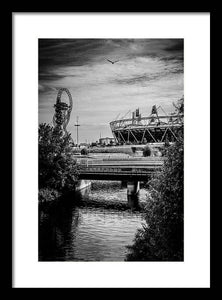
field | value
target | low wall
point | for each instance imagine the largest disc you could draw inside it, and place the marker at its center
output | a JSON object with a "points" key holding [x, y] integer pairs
{"points": [[82, 184]]}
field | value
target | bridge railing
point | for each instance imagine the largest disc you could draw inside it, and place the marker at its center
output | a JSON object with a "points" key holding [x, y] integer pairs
{"points": [[104, 161], [134, 171]]}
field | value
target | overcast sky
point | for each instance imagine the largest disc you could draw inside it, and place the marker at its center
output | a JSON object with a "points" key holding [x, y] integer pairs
{"points": [[149, 71]]}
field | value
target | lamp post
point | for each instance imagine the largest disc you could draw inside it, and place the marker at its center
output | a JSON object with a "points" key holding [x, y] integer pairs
{"points": [[77, 125]]}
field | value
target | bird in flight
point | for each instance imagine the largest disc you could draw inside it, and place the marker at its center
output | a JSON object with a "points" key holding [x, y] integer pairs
{"points": [[112, 62]]}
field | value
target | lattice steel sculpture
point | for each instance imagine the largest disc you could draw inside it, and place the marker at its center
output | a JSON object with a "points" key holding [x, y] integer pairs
{"points": [[62, 112]]}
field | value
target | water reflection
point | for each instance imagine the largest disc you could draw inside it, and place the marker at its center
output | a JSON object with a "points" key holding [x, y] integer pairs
{"points": [[94, 225], [133, 201], [55, 230]]}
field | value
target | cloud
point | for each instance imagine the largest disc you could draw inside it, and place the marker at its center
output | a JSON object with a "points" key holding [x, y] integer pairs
{"points": [[138, 79], [176, 45], [70, 52], [45, 88], [149, 71]]}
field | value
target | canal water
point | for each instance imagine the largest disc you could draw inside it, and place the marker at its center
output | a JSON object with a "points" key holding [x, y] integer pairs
{"points": [[96, 224]]}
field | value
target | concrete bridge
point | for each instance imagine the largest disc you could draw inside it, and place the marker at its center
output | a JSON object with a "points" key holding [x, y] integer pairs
{"points": [[131, 170]]}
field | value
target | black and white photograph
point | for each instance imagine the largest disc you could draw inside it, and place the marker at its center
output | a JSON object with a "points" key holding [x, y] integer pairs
{"points": [[111, 138], [110, 141]]}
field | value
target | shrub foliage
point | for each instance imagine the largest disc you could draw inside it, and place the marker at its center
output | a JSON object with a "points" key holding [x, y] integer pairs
{"points": [[84, 151], [146, 151], [48, 195], [161, 238], [57, 168]]}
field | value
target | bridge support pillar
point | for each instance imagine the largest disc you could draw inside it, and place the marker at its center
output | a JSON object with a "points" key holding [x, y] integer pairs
{"points": [[133, 187], [124, 184]]}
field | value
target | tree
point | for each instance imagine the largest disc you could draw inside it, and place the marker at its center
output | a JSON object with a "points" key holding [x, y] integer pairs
{"points": [[133, 149], [161, 238], [84, 151], [179, 105], [57, 168]]}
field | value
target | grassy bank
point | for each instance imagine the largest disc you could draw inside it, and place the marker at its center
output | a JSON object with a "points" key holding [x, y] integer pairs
{"points": [[123, 149]]}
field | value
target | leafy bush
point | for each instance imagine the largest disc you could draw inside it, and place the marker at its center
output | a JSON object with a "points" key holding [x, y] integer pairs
{"points": [[57, 168], [84, 151], [146, 151], [161, 238], [133, 149], [48, 195]]}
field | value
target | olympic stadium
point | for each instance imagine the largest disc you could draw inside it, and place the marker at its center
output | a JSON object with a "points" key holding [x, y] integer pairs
{"points": [[158, 127]]}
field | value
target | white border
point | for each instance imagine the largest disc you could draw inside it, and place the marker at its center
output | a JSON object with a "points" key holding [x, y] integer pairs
{"points": [[195, 270]]}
